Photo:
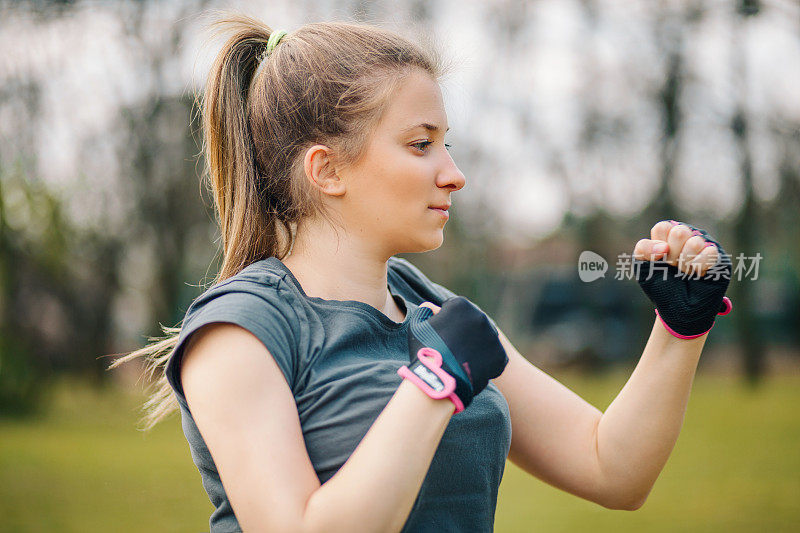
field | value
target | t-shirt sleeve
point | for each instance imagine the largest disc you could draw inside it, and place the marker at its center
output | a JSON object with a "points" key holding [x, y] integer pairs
{"points": [[430, 291], [263, 309]]}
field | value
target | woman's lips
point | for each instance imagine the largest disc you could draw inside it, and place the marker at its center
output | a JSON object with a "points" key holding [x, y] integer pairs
{"points": [[442, 212]]}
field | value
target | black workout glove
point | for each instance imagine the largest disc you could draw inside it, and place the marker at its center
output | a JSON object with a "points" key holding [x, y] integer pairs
{"points": [[687, 303], [454, 353]]}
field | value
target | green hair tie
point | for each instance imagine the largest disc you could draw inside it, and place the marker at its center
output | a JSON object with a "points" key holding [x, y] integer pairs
{"points": [[274, 38]]}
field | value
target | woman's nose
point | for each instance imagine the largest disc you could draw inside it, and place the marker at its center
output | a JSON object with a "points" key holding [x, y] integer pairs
{"points": [[452, 177]]}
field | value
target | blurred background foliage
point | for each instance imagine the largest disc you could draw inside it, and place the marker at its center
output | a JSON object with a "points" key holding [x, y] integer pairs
{"points": [[578, 123]]}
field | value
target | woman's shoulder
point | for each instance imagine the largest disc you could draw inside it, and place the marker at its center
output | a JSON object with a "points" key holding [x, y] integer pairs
{"points": [[258, 300], [256, 287]]}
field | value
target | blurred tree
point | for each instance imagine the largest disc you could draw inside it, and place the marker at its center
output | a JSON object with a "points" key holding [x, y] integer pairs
{"points": [[670, 29], [20, 374], [51, 320], [747, 224], [165, 207], [33, 235], [160, 163], [59, 283], [781, 223]]}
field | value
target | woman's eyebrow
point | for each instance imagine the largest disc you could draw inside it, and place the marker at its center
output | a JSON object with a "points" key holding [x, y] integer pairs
{"points": [[429, 127]]}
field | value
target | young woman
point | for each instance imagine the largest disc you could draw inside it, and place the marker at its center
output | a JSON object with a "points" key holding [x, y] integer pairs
{"points": [[325, 384]]}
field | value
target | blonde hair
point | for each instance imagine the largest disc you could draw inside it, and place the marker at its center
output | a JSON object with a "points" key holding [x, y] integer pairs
{"points": [[326, 82]]}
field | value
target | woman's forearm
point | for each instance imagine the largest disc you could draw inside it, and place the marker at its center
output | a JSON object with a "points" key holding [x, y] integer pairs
{"points": [[638, 431], [377, 486]]}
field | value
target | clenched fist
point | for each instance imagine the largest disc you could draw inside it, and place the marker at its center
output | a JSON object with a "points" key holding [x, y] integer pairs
{"points": [[685, 273]]}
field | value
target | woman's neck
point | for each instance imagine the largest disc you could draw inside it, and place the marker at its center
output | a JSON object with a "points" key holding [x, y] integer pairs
{"points": [[337, 267]]}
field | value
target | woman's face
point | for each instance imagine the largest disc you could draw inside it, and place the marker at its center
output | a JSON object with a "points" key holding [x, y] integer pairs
{"points": [[406, 170]]}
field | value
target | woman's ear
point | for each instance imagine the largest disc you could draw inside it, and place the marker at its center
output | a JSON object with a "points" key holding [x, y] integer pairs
{"points": [[320, 171]]}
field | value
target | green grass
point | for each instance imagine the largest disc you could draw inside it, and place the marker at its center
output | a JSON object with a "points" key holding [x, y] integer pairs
{"points": [[735, 467], [84, 467]]}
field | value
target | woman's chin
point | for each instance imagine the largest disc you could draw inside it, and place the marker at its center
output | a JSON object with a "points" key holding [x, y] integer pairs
{"points": [[431, 242], [435, 242]]}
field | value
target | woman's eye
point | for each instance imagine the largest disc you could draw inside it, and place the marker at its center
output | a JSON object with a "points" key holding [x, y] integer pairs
{"points": [[424, 144]]}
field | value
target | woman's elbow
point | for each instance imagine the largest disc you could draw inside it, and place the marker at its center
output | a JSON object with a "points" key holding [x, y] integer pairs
{"points": [[623, 500], [630, 503]]}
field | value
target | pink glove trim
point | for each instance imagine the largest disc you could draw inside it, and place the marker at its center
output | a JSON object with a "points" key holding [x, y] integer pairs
{"points": [[728, 308], [432, 360], [676, 334]]}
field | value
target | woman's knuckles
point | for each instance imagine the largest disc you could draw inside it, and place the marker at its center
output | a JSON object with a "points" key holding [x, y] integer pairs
{"points": [[650, 249], [660, 230], [433, 307]]}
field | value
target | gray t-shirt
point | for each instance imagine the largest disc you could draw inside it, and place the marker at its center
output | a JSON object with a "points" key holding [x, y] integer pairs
{"points": [[340, 359]]}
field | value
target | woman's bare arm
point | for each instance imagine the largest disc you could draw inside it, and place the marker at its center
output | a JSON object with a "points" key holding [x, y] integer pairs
{"points": [[246, 413], [611, 458], [638, 431], [377, 486]]}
